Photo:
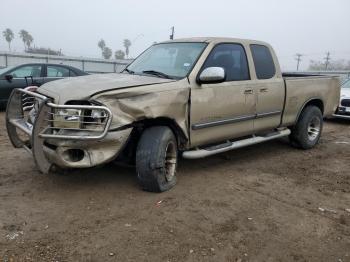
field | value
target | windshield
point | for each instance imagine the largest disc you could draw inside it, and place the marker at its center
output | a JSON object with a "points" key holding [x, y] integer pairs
{"points": [[174, 60], [3, 70], [346, 84]]}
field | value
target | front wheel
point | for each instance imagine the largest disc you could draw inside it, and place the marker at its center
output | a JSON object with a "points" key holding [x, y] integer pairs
{"points": [[307, 131], [156, 159]]}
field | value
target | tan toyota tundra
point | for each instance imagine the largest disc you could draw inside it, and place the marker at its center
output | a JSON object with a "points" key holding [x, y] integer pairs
{"points": [[192, 97]]}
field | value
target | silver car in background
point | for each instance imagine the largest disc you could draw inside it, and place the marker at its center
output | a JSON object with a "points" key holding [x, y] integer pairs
{"points": [[343, 110]]}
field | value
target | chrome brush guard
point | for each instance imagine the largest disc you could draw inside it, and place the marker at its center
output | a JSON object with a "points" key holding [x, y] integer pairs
{"points": [[31, 118]]}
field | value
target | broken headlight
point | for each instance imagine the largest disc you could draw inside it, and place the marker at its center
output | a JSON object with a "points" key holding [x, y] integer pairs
{"points": [[67, 118], [83, 119]]}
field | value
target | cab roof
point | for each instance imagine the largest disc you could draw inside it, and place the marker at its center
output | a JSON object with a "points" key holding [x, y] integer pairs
{"points": [[216, 40]]}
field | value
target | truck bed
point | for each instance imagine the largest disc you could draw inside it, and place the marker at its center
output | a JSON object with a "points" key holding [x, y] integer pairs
{"points": [[302, 88]]}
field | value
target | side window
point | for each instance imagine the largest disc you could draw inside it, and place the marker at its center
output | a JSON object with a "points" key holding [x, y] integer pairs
{"points": [[232, 58], [57, 71], [33, 70], [263, 62]]}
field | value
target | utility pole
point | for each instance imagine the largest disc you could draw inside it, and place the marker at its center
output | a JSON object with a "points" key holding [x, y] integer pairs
{"points": [[327, 58], [172, 33], [298, 58]]}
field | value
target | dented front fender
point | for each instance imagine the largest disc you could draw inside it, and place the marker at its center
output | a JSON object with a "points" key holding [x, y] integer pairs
{"points": [[168, 100]]}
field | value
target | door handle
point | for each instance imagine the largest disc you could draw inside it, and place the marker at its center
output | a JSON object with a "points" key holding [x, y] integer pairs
{"points": [[262, 90], [248, 91]]}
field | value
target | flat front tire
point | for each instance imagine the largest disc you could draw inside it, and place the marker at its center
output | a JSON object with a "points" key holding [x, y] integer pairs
{"points": [[307, 131], [156, 159]]}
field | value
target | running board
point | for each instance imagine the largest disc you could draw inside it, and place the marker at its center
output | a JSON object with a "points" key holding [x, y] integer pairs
{"points": [[200, 153]]}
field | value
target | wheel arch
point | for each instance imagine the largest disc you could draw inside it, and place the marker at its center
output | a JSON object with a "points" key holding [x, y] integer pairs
{"points": [[180, 135], [316, 101], [129, 150]]}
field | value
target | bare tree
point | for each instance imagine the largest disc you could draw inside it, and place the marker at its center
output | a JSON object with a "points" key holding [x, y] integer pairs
{"points": [[119, 54], [107, 53], [9, 36], [127, 44], [333, 65]]}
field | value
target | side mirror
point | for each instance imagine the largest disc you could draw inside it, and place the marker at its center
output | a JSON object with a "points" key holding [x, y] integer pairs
{"points": [[212, 75], [9, 77]]}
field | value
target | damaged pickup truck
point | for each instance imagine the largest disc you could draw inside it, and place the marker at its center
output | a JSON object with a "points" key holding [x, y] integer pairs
{"points": [[191, 97]]}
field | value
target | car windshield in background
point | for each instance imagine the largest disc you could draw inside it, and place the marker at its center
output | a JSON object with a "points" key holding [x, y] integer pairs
{"points": [[346, 84], [3, 70], [168, 60]]}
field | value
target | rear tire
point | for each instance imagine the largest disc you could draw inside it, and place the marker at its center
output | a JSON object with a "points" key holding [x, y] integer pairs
{"points": [[307, 131], [156, 159]]}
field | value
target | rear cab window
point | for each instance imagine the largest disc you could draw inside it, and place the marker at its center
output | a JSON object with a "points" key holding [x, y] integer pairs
{"points": [[263, 61]]}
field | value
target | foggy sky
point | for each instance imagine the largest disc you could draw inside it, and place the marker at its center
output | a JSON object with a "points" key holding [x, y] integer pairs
{"points": [[310, 27]]}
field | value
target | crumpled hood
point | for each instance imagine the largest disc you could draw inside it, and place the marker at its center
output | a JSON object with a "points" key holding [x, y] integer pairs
{"points": [[345, 93], [83, 87]]}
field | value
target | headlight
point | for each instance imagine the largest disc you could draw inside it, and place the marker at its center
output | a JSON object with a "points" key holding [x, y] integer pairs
{"points": [[98, 116], [67, 118], [94, 119], [80, 119]]}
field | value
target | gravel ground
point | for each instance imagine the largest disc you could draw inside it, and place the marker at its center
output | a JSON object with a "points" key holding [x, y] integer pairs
{"points": [[268, 202]]}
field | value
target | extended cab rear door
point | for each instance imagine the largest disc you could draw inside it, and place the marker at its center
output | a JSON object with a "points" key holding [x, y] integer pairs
{"points": [[269, 88]]}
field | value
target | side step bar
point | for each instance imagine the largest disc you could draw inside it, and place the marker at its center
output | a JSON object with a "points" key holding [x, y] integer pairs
{"points": [[200, 153]]}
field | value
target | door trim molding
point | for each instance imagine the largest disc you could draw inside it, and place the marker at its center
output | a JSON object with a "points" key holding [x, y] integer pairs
{"points": [[272, 113], [234, 120], [222, 122]]}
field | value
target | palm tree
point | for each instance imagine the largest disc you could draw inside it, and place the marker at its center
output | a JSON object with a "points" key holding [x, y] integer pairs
{"points": [[9, 36], [127, 44], [107, 53], [119, 54], [101, 44], [23, 34], [29, 40]]}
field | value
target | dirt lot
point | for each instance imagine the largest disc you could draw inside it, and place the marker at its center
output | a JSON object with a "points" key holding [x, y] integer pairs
{"points": [[255, 204]]}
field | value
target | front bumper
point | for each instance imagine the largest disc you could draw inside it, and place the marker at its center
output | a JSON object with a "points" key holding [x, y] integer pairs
{"points": [[342, 112], [341, 116], [66, 146]]}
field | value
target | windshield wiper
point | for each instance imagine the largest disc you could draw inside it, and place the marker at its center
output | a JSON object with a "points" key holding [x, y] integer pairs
{"points": [[157, 73], [129, 71]]}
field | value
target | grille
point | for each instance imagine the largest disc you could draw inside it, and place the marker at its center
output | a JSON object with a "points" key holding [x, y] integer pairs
{"points": [[345, 102], [27, 102]]}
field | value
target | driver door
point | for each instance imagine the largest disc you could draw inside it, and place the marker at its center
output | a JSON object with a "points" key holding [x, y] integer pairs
{"points": [[221, 111]]}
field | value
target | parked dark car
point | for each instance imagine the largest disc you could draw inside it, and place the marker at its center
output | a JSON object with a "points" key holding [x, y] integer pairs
{"points": [[32, 74]]}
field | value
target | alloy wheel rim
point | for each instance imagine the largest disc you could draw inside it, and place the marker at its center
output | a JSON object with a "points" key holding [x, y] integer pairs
{"points": [[314, 128], [170, 161]]}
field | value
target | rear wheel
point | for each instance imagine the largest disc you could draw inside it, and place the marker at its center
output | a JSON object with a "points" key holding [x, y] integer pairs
{"points": [[307, 131], [156, 159]]}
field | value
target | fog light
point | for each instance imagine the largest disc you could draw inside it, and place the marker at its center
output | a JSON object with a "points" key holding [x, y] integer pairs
{"points": [[73, 155]]}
